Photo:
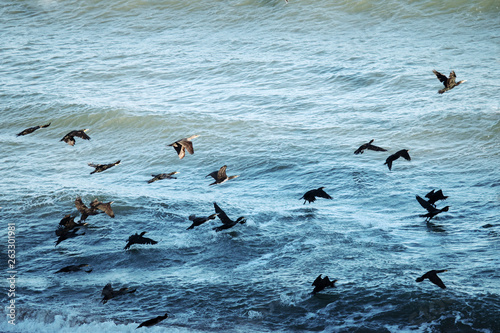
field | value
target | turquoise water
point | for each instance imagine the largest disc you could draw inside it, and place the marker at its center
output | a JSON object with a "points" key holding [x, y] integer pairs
{"points": [[282, 94]]}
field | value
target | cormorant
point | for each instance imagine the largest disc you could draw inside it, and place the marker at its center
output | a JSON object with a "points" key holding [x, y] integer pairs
{"points": [[435, 196], [73, 268], [321, 283], [153, 321], [220, 176], [200, 220], [32, 129], [402, 153], [432, 276], [70, 137], [449, 83], [312, 194], [227, 222], [432, 211], [105, 207], [184, 144], [369, 146], [102, 167], [84, 210], [138, 239], [64, 234], [163, 176], [109, 293]]}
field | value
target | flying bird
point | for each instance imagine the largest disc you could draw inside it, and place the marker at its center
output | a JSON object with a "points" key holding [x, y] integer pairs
{"points": [[153, 321], [184, 144], [108, 292], [227, 222], [105, 207], [68, 222], [197, 221], [220, 176], [402, 153], [139, 239], [84, 210], [449, 83], [435, 196], [162, 176], [70, 137], [73, 268], [64, 234], [32, 129], [312, 194], [368, 146], [321, 283], [432, 276], [432, 211], [102, 167]]}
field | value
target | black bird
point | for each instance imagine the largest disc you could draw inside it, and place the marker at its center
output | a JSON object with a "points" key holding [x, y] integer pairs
{"points": [[321, 283], [227, 222], [102, 167], [70, 137], [369, 146], [32, 129], [197, 221], [153, 321], [435, 196], [162, 176], [432, 211], [432, 276], [84, 210], [182, 145], [220, 176], [312, 194], [73, 268], [449, 83], [138, 239], [109, 293], [105, 207], [64, 234], [402, 153], [68, 222]]}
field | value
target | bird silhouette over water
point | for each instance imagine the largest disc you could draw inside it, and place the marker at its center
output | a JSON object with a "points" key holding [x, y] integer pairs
{"points": [[402, 153], [153, 321], [73, 268], [431, 210], [162, 176], [84, 210], [220, 176], [108, 292], [139, 239], [197, 221], [311, 195], [70, 137], [227, 222], [432, 276], [321, 283], [368, 146], [32, 129], [68, 222], [64, 234], [102, 167], [448, 82], [182, 145], [434, 196]]}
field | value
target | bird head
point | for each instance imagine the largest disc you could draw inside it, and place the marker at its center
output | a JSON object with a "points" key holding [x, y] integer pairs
{"points": [[445, 209], [419, 279], [241, 220]]}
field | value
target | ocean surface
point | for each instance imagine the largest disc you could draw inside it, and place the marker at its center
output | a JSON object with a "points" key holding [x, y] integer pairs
{"points": [[283, 94]]}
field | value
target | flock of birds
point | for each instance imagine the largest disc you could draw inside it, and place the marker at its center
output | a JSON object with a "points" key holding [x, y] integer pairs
{"points": [[68, 228]]}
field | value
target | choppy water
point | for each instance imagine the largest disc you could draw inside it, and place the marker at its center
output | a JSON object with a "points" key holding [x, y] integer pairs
{"points": [[282, 94]]}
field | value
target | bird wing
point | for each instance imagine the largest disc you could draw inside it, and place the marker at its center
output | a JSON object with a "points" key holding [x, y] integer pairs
{"points": [[436, 280], [322, 194], [360, 149], [106, 207], [188, 145], [221, 174], [317, 281], [70, 140], [80, 205], [375, 148], [389, 160], [440, 76], [107, 291], [213, 175], [404, 153], [81, 134], [425, 204], [430, 194], [145, 240], [222, 215]]}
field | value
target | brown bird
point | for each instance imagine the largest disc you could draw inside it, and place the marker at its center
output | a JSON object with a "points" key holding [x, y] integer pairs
{"points": [[402, 153], [220, 176], [432, 211], [197, 221], [432, 276], [68, 222], [73, 268], [184, 144], [312, 194], [84, 210], [139, 239], [102, 167], [109, 293], [105, 207], [70, 137], [162, 176], [153, 321], [321, 283], [227, 222], [435, 196], [32, 129], [449, 83], [368, 146]]}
